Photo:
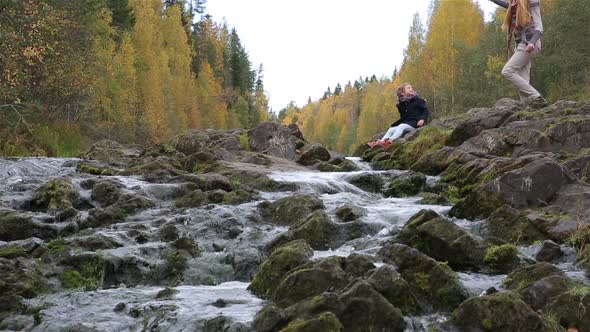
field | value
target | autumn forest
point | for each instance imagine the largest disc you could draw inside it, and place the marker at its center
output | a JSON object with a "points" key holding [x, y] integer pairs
{"points": [[141, 71]]}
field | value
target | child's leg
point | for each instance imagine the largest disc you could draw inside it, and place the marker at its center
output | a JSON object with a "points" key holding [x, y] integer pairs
{"points": [[400, 130], [390, 132]]}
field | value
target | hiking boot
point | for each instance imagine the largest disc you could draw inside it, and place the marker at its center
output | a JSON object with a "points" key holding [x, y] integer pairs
{"points": [[385, 143], [537, 102]]}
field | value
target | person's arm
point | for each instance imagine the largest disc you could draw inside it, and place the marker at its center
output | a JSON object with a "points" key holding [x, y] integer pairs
{"points": [[424, 112], [501, 3], [535, 7]]}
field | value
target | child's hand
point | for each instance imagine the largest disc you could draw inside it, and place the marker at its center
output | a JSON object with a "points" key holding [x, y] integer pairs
{"points": [[420, 123]]}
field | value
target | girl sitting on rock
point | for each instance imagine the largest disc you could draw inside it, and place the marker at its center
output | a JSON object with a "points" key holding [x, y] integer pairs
{"points": [[413, 113]]}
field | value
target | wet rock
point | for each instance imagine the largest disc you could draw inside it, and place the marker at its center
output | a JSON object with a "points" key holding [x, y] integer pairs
{"points": [[272, 139], [322, 233], [513, 226], [349, 212], [14, 226], [530, 186], [168, 233], [246, 264], [443, 240], [95, 242], [238, 197], [107, 192], [111, 152], [368, 182], [313, 155], [193, 199], [22, 277], [503, 258], [120, 307], [433, 199], [327, 322], [310, 280], [503, 311], [580, 166], [408, 184], [158, 170], [282, 260], [538, 294], [96, 168], [289, 210], [216, 196], [359, 307], [481, 119], [188, 245], [396, 290], [528, 275], [549, 251], [12, 251], [269, 319], [116, 213], [167, 294], [257, 159], [358, 265], [570, 309], [434, 282], [192, 142], [55, 195], [17, 323]]}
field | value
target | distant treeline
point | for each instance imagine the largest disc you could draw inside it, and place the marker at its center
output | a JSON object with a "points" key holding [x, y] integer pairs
{"points": [[455, 63], [136, 71]]}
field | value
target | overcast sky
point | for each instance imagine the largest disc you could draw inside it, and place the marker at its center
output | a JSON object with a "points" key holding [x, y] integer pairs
{"points": [[307, 45]]}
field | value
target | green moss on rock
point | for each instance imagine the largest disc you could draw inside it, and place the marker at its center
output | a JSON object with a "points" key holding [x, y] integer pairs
{"points": [[274, 269]]}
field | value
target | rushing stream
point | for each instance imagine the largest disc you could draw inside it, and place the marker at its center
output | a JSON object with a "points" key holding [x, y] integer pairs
{"points": [[214, 288]]}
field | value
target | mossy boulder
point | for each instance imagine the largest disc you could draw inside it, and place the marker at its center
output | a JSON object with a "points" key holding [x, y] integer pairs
{"points": [[433, 199], [274, 269], [95, 168], [502, 258], [23, 277], [313, 155], [311, 279], [238, 197], [434, 282], [55, 195], [270, 318], [322, 233], [14, 226], [107, 192], [389, 283], [498, 312], [12, 251], [570, 309], [289, 210], [543, 291], [194, 199], [526, 276], [191, 142], [367, 181], [127, 205], [359, 307], [513, 226], [409, 184], [325, 322], [349, 212], [443, 240]]}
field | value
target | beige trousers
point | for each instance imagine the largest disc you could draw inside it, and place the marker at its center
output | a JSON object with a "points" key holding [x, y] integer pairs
{"points": [[518, 71]]}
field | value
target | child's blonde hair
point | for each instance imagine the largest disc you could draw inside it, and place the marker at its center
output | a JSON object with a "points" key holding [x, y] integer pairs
{"points": [[400, 89]]}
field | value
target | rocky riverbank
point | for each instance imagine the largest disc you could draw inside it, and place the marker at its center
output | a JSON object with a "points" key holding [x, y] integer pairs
{"points": [[259, 230]]}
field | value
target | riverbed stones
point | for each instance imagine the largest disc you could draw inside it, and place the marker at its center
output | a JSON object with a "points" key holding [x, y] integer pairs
{"points": [[289, 210], [282, 260], [503, 311]]}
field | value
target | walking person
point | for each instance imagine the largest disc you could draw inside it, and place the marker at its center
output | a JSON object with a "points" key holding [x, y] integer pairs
{"points": [[413, 113], [524, 24]]}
